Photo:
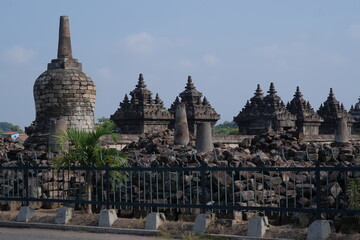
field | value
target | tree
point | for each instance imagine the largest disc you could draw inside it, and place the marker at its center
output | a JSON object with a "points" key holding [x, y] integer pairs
{"points": [[85, 150], [9, 127], [226, 128], [106, 121]]}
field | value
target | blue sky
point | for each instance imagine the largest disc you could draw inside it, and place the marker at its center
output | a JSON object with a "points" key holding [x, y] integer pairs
{"points": [[226, 46]]}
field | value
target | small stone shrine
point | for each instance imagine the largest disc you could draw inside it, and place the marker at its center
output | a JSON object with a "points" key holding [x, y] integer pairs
{"points": [[62, 92], [355, 113], [262, 114], [198, 110], [307, 120], [142, 114], [331, 111]]}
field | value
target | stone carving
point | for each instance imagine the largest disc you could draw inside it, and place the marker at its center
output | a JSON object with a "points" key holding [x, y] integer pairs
{"points": [[307, 120], [142, 114], [198, 109], [64, 92], [331, 111], [262, 114]]}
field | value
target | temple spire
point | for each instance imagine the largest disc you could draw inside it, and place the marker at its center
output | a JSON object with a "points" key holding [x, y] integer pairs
{"points": [[258, 91], [298, 93], [64, 47], [272, 90]]}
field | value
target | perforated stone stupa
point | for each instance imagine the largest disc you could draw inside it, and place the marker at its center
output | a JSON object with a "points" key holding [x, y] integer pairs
{"points": [[198, 109], [63, 92], [332, 111], [307, 120], [262, 114], [142, 114]]}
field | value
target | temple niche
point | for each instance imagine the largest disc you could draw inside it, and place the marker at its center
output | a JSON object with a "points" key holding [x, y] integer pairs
{"points": [[63, 93], [198, 109], [262, 114], [307, 120], [332, 111], [141, 114], [355, 113]]}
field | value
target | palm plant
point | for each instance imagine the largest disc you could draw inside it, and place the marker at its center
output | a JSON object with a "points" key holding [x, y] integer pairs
{"points": [[83, 148]]}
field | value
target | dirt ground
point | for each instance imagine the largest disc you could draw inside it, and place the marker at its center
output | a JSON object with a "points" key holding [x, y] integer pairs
{"points": [[177, 228]]}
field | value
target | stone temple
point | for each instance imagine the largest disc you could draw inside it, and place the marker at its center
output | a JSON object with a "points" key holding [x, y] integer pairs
{"points": [[307, 120], [198, 109], [331, 111], [141, 114], [62, 92], [264, 113], [355, 113]]}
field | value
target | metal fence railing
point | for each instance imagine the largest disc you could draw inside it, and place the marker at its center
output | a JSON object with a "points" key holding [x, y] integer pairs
{"points": [[317, 189]]}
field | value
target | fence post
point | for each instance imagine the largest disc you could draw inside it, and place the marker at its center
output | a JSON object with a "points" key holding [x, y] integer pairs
{"points": [[107, 173], [203, 190], [26, 182], [318, 190]]}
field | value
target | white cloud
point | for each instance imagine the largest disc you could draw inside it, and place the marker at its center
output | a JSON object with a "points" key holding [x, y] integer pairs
{"points": [[142, 43], [104, 74], [210, 59], [354, 31], [18, 55]]}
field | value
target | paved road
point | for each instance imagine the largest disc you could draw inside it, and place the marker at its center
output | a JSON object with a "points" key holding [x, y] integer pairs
{"points": [[44, 234]]}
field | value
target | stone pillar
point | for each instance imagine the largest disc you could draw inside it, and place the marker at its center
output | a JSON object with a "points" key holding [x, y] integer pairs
{"points": [[342, 131], [64, 47], [56, 127], [181, 134], [203, 137]]}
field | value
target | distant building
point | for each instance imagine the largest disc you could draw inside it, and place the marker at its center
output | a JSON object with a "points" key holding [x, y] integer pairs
{"points": [[12, 135], [15, 136]]}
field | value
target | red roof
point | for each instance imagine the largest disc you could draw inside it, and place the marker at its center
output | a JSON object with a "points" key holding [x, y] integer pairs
{"points": [[8, 133], [23, 137]]}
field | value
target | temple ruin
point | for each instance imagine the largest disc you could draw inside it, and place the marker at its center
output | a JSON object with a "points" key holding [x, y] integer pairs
{"points": [[331, 111], [262, 114], [307, 120], [198, 109], [65, 97], [355, 113], [142, 114], [62, 92]]}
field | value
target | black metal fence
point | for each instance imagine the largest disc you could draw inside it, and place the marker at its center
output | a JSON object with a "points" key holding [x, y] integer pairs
{"points": [[317, 189]]}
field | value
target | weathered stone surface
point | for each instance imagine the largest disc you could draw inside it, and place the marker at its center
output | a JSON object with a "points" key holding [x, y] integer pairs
{"points": [[62, 92], [197, 109], [257, 226], [107, 217], [262, 114], [181, 132], [331, 110], [342, 131], [307, 120], [25, 214], [154, 220], [203, 138], [202, 223], [142, 114], [319, 230], [63, 215]]}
